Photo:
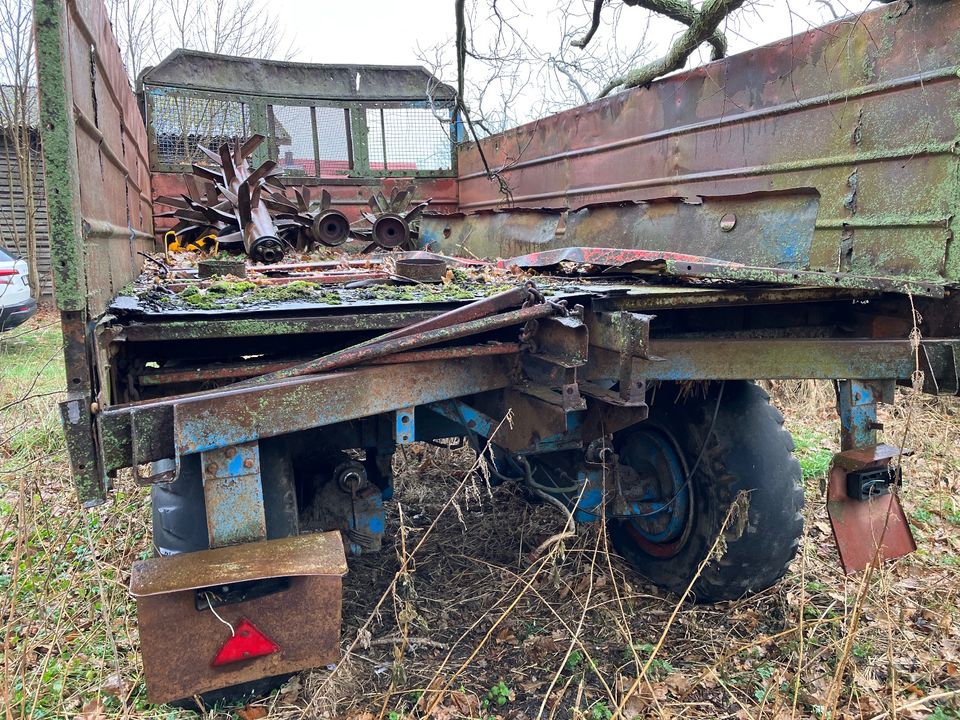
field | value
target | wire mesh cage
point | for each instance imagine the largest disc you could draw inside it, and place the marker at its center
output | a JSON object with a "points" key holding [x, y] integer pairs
{"points": [[306, 140], [410, 139], [310, 141]]}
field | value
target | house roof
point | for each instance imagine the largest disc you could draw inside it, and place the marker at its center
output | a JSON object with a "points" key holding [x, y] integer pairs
{"points": [[210, 72]]}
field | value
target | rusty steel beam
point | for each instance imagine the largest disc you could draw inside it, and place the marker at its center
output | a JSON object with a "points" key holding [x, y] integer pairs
{"points": [[218, 418], [381, 348], [245, 327], [228, 371], [778, 359]]}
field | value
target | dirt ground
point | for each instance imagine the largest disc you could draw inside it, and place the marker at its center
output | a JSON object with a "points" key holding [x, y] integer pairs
{"points": [[511, 619]]}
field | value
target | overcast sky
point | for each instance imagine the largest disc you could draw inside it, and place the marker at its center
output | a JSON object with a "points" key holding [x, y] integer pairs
{"points": [[388, 31]]}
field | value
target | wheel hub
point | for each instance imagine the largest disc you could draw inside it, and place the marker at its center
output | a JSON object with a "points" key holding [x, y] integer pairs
{"points": [[652, 474]]}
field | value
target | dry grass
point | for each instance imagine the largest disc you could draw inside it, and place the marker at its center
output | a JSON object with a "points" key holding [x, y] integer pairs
{"points": [[501, 629]]}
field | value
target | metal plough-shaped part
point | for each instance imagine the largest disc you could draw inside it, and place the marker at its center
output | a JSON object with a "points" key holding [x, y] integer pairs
{"points": [[231, 206]]}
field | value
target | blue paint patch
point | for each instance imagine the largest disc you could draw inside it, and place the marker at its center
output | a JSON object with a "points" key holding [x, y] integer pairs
{"points": [[376, 524], [235, 466]]}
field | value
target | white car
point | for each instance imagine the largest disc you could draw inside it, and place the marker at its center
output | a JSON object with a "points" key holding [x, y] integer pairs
{"points": [[16, 304]]}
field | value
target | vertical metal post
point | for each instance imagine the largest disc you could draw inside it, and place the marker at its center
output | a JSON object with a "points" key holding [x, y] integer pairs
{"points": [[348, 128], [259, 125], [404, 431], [383, 139], [857, 406], [233, 493], [360, 156], [316, 141]]}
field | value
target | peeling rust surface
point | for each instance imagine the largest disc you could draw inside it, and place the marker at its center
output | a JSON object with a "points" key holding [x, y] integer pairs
{"points": [[310, 554], [179, 642], [772, 229]]}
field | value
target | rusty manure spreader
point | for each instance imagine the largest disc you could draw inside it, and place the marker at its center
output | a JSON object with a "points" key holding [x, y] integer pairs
{"points": [[342, 277]]}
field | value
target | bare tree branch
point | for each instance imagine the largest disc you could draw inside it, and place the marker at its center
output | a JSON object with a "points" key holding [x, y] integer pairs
{"points": [[18, 118], [594, 25], [711, 14], [685, 13], [147, 30]]}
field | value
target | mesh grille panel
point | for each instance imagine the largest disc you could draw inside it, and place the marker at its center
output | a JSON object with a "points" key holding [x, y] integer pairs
{"points": [[304, 140], [292, 134], [332, 140], [411, 139], [182, 122]]}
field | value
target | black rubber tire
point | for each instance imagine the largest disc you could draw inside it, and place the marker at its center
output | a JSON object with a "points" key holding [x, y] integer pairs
{"points": [[747, 450]]}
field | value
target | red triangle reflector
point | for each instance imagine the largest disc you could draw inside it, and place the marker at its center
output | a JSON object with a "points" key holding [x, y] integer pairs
{"points": [[247, 642]]}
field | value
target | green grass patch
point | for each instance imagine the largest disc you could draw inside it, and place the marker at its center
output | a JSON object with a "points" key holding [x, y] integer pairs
{"points": [[814, 453]]}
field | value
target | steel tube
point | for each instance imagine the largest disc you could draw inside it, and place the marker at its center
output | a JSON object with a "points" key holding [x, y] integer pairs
{"points": [[366, 352]]}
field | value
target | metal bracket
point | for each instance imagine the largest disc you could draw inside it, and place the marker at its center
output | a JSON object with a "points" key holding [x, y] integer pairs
{"points": [[628, 334], [471, 418], [866, 529], [233, 492], [857, 406], [404, 430]]}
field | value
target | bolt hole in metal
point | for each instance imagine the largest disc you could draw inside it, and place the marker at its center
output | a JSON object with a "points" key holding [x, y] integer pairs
{"points": [[728, 222]]}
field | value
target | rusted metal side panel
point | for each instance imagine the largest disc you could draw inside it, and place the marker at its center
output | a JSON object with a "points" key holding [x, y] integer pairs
{"points": [[865, 111], [97, 170]]}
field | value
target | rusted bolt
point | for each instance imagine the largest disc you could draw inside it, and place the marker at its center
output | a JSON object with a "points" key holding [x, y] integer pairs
{"points": [[728, 222], [212, 467], [248, 463]]}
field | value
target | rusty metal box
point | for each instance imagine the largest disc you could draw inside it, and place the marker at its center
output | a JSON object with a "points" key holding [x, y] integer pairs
{"points": [[179, 642]]}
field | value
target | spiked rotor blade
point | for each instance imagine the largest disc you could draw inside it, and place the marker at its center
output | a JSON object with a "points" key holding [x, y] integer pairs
{"points": [[248, 148]]}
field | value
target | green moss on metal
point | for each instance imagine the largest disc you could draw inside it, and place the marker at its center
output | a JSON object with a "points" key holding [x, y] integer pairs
{"points": [[234, 294], [59, 156], [435, 293]]}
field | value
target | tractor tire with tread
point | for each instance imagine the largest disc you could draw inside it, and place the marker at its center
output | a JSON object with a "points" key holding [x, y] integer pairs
{"points": [[743, 448]]}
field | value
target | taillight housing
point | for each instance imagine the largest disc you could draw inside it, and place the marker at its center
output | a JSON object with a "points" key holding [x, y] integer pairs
{"points": [[7, 276]]}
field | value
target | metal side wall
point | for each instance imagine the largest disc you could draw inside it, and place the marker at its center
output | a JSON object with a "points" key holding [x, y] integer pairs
{"points": [[866, 111], [98, 201], [94, 152]]}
